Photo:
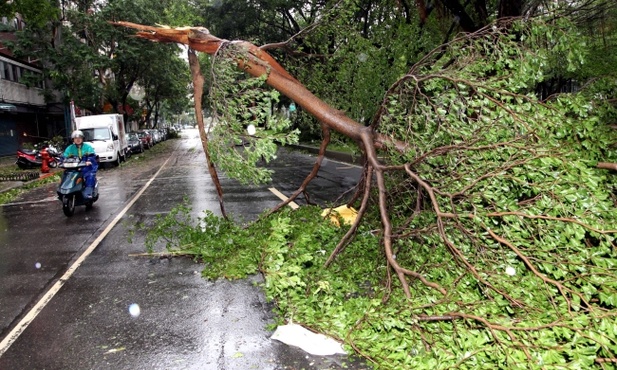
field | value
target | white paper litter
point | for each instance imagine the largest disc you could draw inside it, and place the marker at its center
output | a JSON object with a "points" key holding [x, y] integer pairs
{"points": [[315, 344]]}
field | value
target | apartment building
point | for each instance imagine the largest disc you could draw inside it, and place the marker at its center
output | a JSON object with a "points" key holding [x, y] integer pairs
{"points": [[25, 116]]}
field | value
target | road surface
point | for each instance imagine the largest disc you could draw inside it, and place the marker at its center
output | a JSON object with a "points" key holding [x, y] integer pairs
{"points": [[74, 296]]}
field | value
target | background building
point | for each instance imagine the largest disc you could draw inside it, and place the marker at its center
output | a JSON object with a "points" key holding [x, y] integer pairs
{"points": [[25, 116]]}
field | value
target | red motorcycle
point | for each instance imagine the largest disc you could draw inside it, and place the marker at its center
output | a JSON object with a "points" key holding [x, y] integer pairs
{"points": [[32, 158]]}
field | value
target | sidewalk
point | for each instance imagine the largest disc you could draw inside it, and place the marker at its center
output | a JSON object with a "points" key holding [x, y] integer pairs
{"points": [[8, 185], [7, 165]]}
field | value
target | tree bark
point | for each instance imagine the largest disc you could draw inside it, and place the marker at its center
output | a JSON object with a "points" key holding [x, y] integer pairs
{"points": [[198, 84], [607, 166]]}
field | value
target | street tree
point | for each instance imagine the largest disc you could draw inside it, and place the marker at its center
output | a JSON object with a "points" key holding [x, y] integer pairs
{"points": [[492, 200], [166, 82], [258, 20], [37, 12], [96, 65]]}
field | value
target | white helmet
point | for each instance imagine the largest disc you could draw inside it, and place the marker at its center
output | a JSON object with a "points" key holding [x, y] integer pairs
{"points": [[77, 133]]}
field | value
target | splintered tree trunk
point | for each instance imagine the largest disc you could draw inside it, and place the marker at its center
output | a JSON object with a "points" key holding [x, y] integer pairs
{"points": [[261, 63]]}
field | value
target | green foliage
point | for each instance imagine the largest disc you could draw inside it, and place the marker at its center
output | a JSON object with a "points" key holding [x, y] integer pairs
{"points": [[7, 8], [238, 102], [256, 21], [351, 56], [518, 176], [600, 31], [346, 300], [521, 232], [347, 52], [35, 12], [210, 239], [178, 13]]}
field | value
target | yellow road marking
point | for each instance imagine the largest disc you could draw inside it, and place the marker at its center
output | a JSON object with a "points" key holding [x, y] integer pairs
{"points": [[283, 197]]}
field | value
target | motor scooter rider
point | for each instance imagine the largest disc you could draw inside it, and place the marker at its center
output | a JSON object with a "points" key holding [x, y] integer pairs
{"points": [[85, 152]]}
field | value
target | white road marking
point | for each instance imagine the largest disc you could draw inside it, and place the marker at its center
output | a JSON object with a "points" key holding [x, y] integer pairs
{"points": [[38, 307], [283, 197]]}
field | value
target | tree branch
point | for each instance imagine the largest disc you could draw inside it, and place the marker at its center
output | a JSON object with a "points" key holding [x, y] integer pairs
{"points": [[198, 83]]}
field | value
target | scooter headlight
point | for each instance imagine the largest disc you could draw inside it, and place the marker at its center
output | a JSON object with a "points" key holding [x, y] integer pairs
{"points": [[70, 165]]}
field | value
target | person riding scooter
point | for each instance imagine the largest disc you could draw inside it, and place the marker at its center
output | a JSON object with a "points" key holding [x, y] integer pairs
{"points": [[85, 152]]}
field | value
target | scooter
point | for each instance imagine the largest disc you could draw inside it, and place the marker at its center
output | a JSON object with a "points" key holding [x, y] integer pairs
{"points": [[31, 158], [71, 191]]}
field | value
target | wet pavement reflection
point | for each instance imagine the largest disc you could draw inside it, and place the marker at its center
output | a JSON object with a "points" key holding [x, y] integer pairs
{"points": [[123, 311]]}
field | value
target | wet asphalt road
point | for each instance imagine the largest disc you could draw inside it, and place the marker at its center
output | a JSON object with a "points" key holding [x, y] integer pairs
{"points": [[184, 321]]}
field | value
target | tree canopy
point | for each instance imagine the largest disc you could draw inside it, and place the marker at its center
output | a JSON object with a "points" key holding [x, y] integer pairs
{"points": [[88, 61]]}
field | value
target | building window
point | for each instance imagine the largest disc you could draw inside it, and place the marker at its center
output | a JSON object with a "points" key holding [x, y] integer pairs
{"points": [[8, 71], [16, 73]]}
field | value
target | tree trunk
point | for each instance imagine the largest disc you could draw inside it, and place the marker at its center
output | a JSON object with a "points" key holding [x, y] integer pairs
{"points": [[259, 63]]}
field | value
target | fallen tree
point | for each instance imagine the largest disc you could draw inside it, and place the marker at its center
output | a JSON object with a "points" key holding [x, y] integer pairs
{"points": [[477, 166]]}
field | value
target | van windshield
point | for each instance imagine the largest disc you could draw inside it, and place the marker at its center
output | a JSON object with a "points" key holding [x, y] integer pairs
{"points": [[94, 134]]}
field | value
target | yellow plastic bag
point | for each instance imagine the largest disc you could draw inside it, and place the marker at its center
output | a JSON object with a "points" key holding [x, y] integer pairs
{"points": [[348, 214]]}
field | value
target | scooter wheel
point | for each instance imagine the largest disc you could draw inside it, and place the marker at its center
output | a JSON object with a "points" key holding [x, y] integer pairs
{"points": [[68, 205], [53, 164], [89, 205]]}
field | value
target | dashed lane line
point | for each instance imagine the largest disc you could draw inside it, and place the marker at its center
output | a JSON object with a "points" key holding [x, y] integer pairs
{"points": [[283, 197]]}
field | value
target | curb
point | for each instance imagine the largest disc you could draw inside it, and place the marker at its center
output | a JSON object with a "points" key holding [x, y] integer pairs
{"points": [[18, 184], [20, 176]]}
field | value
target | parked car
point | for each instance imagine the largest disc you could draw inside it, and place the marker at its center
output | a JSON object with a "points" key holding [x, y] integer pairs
{"points": [[146, 139], [156, 136], [134, 142]]}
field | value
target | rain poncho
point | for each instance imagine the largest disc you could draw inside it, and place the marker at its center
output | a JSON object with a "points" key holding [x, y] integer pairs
{"points": [[85, 152]]}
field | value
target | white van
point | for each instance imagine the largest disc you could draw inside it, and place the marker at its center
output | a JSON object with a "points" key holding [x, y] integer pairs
{"points": [[106, 134]]}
